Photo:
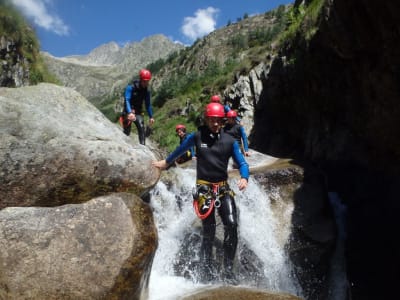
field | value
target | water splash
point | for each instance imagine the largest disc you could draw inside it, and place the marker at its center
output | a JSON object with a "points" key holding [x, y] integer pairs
{"points": [[259, 231], [261, 258]]}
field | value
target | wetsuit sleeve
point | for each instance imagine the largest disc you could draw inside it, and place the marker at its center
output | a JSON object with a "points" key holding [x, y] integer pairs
{"points": [[182, 148], [147, 103], [128, 93], [244, 139], [191, 149], [240, 161]]}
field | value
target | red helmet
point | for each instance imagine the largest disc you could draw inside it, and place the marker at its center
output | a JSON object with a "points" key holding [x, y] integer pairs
{"points": [[214, 110], [231, 114], [215, 98], [145, 75], [180, 126]]}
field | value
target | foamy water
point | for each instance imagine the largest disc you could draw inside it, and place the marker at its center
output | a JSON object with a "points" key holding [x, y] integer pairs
{"points": [[174, 217]]}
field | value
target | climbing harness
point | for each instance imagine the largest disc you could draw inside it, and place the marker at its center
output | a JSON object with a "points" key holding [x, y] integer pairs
{"points": [[207, 196]]}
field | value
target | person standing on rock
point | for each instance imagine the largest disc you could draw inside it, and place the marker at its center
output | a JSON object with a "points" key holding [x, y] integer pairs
{"points": [[213, 149], [136, 94]]}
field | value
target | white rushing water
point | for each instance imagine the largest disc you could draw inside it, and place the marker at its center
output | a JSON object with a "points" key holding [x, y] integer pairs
{"points": [[258, 238]]}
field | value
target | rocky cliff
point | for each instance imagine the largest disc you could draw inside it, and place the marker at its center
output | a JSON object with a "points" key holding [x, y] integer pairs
{"points": [[332, 99]]}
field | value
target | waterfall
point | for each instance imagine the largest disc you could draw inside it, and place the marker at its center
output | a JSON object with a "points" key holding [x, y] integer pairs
{"points": [[261, 259]]}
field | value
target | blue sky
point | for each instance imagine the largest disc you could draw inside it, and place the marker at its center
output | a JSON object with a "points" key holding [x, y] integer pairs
{"points": [[70, 27]]}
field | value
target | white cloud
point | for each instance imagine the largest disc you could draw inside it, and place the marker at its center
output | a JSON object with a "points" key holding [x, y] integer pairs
{"points": [[37, 11], [202, 23]]}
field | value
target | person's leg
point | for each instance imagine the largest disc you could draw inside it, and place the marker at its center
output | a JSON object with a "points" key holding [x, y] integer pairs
{"points": [[139, 122], [207, 246], [228, 214]]}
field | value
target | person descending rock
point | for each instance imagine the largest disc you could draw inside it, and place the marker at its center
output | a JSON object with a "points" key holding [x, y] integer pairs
{"points": [[237, 131], [136, 94], [213, 149], [180, 130]]}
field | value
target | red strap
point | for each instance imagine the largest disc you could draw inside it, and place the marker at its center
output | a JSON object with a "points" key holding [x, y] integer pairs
{"points": [[207, 213], [121, 122]]}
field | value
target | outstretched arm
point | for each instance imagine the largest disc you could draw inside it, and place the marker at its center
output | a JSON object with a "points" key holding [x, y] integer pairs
{"points": [[182, 148]]}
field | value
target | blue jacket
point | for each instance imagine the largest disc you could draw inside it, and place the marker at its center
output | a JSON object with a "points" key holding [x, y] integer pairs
{"points": [[188, 155], [135, 95]]}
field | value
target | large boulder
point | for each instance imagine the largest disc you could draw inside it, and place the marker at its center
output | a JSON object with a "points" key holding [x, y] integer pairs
{"points": [[57, 148], [101, 249]]}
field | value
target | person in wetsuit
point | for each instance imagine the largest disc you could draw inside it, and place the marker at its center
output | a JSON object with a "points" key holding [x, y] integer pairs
{"points": [[236, 131], [227, 108], [136, 94], [180, 130], [213, 149]]}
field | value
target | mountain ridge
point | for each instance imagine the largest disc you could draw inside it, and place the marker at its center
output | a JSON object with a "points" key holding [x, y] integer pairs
{"points": [[108, 67]]}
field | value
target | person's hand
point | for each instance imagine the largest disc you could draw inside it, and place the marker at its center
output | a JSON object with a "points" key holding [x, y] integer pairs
{"points": [[131, 117], [247, 153], [151, 121], [161, 164], [242, 184]]}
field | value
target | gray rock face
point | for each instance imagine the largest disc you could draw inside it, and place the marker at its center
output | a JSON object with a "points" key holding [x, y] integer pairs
{"points": [[96, 250], [57, 148], [333, 100], [14, 67]]}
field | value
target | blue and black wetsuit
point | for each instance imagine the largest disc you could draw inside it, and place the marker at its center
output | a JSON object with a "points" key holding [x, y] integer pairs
{"points": [[213, 152], [135, 96], [237, 131], [188, 155]]}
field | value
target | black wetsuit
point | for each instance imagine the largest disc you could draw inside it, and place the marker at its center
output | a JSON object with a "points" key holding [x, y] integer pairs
{"points": [[237, 131], [135, 96], [213, 152]]}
